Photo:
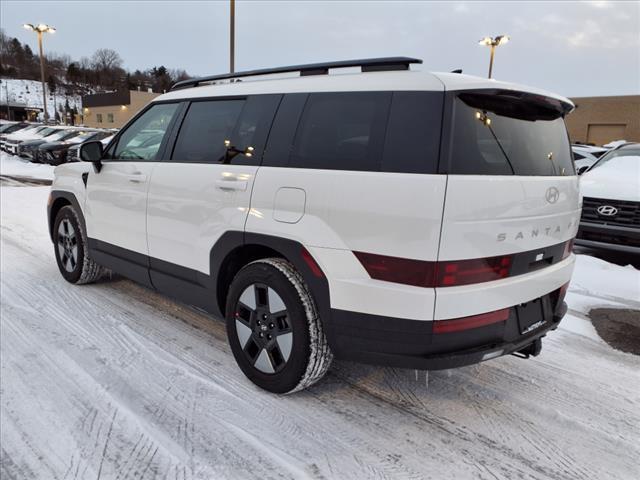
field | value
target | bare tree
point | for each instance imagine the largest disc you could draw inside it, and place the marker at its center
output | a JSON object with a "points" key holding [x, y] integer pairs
{"points": [[105, 59]]}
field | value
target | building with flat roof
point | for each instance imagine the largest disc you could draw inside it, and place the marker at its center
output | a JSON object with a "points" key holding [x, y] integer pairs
{"points": [[600, 120], [113, 109]]}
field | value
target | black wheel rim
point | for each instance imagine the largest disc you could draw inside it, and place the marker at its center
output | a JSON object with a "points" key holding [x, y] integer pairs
{"points": [[67, 245], [263, 328]]}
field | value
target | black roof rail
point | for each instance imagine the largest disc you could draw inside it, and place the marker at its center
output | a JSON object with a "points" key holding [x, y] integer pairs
{"points": [[366, 65]]}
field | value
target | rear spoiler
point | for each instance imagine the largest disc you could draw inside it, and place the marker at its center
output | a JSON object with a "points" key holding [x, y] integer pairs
{"points": [[517, 104]]}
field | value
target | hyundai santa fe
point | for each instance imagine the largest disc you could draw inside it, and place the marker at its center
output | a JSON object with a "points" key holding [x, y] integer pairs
{"points": [[391, 216]]}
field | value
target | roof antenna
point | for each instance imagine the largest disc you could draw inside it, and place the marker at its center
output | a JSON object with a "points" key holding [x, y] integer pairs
{"points": [[457, 70]]}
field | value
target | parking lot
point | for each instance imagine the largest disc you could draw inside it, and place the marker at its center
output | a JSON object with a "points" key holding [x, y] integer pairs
{"points": [[115, 381]]}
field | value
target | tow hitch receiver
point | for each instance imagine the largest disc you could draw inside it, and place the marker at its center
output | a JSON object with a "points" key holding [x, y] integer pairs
{"points": [[531, 350]]}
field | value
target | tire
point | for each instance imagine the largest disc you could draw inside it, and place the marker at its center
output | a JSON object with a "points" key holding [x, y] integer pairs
{"points": [[70, 246], [274, 329]]}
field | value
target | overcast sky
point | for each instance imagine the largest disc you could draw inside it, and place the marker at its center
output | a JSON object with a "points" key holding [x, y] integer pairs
{"points": [[572, 48]]}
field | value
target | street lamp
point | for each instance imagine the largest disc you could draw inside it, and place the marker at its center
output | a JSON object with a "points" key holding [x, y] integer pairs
{"points": [[40, 29], [493, 43]]}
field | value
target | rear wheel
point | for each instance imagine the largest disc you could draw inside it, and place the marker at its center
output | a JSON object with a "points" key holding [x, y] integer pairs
{"points": [[72, 254], [273, 327]]}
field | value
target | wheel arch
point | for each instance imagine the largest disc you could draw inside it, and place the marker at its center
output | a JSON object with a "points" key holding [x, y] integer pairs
{"points": [[57, 200], [234, 250]]}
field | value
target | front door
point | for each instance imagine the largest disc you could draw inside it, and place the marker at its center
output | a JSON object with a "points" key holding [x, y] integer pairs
{"points": [[116, 200]]}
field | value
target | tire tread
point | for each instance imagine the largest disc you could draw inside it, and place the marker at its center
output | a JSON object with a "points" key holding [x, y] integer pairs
{"points": [[320, 356]]}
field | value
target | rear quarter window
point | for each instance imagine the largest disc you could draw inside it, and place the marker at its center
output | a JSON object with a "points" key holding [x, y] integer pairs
{"points": [[342, 131], [362, 131]]}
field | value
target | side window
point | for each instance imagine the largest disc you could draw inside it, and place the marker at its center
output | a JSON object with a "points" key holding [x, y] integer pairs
{"points": [[204, 129], [142, 139], [283, 130], [577, 156], [253, 127], [412, 142], [342, 131]]}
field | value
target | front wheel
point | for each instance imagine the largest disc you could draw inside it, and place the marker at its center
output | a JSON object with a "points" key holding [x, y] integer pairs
{"points": [[72, 254], [274, 329]]}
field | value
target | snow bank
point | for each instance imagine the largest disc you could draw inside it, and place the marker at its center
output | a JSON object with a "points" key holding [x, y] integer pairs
{"points": [[13, 166], [598, 283]]}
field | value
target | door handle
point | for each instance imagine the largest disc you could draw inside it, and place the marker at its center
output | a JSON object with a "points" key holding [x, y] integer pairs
{"points": [[232, 184], [137, 178]]}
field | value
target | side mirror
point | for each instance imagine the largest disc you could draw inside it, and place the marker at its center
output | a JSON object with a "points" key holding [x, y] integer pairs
{"points": [[582, 169], [92, 152]]}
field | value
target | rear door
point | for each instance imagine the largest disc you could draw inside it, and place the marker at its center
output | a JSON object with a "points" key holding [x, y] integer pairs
{"points": [[202, 190], [511, 190]]}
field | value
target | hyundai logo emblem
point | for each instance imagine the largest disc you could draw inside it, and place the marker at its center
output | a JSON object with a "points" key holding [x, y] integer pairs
{"points": [[607, 210], [552, 195]]}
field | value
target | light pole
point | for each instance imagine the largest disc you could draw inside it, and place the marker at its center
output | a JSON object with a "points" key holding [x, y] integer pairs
{"points": [[40, 29], [493, 43], [232, 35]]}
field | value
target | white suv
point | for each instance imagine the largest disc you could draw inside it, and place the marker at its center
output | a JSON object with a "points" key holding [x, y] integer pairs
{"points": [[391, 216]]}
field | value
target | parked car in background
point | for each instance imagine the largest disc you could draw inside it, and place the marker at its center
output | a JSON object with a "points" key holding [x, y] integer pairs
{"points": [[73, 154], [13, 143], [11, 127], [615, 143], [29, 147], [19, 134], [582, 158], [55, 153], [592, 149], [611, 202], [623, 149]]}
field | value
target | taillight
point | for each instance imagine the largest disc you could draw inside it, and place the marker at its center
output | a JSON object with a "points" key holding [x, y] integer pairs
{"points": [[421, 273], [467, 323], [466, 272]]}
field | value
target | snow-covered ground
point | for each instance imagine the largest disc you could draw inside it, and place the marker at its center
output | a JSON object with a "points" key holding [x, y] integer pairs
{"points": [[115, 381], [14, 166]]}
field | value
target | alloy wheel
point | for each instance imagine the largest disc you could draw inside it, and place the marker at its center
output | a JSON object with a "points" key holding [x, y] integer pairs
{"points": [[263, 328], [67, 245]]}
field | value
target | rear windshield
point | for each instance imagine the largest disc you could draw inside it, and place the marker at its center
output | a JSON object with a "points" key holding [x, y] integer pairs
{"points": [[511, 134]]}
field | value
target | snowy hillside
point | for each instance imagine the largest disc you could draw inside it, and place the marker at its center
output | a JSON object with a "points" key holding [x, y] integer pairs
{"points": [[29, 92]]}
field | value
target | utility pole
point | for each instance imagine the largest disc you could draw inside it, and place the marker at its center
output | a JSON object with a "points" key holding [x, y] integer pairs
{"points": [[232, 35]]}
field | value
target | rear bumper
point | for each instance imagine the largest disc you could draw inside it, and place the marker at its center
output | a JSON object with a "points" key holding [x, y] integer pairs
{"points": [[609, 237], [412, 344]]}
